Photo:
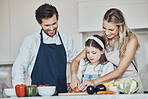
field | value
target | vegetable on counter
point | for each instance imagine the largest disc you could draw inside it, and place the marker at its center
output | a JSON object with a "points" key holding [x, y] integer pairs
{"points": [[41, 86], [110, 84], [44, 85], [90, 90], [128, 86], [100, 87], [31, 90], [20, 90]]}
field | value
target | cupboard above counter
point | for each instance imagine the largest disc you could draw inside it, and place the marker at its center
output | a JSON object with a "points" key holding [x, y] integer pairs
{"points": [[4, 32], [14, 27], [17, 20], [90, 13]]}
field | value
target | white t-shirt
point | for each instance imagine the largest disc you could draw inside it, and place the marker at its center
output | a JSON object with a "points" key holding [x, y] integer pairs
{"points": [[89, 69]]}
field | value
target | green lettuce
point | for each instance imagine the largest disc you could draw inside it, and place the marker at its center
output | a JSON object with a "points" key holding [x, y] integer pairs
{"points": [[128, 86]]}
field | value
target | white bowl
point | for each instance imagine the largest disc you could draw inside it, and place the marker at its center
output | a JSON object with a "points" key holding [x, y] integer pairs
{"points": [[114, 88], [46, 91], [10, 92]]}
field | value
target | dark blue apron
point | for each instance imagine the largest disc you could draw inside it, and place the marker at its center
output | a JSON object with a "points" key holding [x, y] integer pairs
{"points": [[50, 66]]}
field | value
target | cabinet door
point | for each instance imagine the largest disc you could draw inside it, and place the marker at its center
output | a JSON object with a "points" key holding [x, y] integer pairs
{"points": [[91, 13], [4, 32], [22, 23]]}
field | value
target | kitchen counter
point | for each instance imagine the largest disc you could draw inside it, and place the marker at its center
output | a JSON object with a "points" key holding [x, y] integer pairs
{"points": [[117, 96]]}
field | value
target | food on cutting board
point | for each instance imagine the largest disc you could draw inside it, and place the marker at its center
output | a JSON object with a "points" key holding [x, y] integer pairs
{"points": [[76, 90], [112, 86], [91, 90], [109, 84], [100, 87], [105, 92]]}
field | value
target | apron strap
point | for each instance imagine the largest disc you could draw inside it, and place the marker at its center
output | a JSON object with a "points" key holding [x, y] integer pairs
{"points": [[41, 36], [60, 38], [135, 66]]}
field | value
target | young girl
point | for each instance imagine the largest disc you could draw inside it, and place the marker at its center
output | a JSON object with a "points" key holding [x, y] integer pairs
{"points": [[95, 65]]}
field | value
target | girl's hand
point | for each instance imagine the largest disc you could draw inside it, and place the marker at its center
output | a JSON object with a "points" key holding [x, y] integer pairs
{"points": [[85, 84], [74, 81]]}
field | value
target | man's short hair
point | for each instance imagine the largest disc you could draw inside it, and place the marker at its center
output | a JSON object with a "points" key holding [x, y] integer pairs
{"points": [[46, 11]]}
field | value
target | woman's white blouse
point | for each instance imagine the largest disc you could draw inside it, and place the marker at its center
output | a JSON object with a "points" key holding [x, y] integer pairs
{"points": [[27, 55]]}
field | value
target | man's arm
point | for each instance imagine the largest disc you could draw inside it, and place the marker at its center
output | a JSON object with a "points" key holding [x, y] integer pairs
{"points": [[21, 63]]}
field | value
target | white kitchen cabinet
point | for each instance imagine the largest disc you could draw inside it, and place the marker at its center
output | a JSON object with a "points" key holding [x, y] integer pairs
{"points": [[4, 32], [17, 20], [22, 23], [91, 13]]}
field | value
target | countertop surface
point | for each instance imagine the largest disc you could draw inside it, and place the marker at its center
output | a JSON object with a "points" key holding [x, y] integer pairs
{"points": [[116, 96]]}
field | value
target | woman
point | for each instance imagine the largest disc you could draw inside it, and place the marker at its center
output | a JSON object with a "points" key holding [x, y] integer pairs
{"points": [[121, 46]]}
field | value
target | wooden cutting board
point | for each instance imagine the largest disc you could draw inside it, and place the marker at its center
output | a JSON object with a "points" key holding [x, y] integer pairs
{"points": [[73, 94]]}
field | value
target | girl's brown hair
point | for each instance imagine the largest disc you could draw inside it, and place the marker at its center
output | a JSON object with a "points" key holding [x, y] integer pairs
{"points": [[93, 43]]}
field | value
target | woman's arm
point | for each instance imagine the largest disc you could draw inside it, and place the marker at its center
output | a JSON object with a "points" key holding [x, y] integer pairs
{"points": [[74, 67], [123, 65]]}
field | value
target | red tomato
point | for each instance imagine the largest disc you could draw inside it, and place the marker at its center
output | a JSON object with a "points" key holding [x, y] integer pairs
{"points": [[40, 86], [76, 90]]}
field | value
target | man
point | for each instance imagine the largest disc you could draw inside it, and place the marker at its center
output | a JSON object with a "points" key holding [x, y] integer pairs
{"points": [[44, 54]]}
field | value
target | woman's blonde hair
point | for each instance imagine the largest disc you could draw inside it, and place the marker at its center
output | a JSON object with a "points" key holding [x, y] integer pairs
{"points": [[116, 17]]}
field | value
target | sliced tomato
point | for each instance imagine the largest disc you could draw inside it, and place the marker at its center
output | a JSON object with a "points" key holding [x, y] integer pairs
{"points": [[76, 90]]}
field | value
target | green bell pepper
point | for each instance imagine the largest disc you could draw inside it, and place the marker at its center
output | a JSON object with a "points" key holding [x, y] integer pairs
{"points": [[31, 90]]}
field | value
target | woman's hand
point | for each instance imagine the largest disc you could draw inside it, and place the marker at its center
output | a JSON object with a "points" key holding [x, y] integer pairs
{"points": [[85, 84], [74, 81]]}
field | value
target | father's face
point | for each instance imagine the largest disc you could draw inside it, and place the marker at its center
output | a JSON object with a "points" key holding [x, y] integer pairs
{"points": [[50, 25]]}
